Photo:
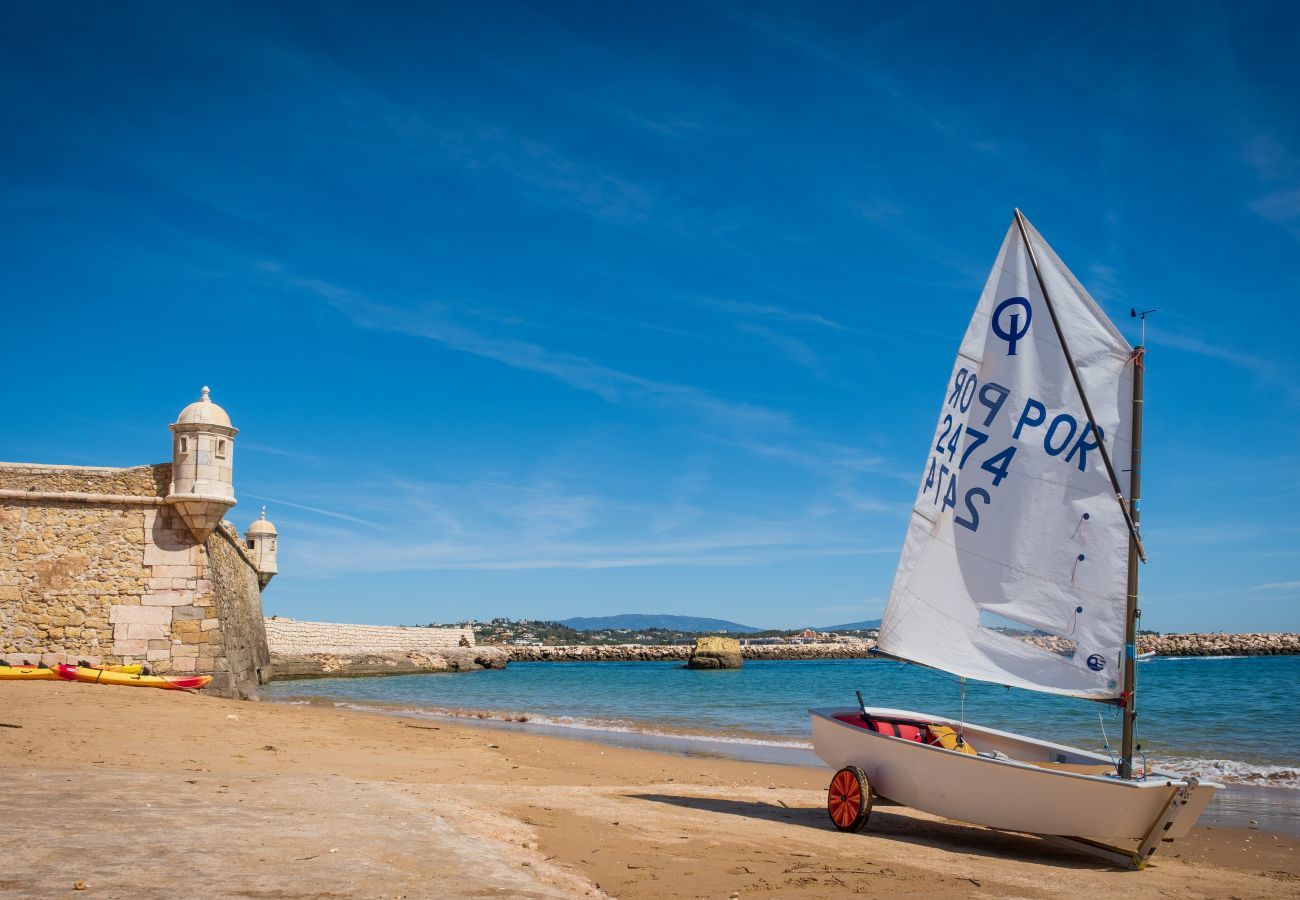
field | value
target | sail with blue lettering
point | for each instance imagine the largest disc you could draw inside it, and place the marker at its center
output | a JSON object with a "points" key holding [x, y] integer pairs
{"points": [[1016, 523]]}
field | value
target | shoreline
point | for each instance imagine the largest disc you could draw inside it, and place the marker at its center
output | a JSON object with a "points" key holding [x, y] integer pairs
{"points": [[1237, 805], [238, 798], [644, 703]]}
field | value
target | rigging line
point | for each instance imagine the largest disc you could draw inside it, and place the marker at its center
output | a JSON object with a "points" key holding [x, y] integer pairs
{"points": [[961, 722], [1105, 741], [1078, 383]]}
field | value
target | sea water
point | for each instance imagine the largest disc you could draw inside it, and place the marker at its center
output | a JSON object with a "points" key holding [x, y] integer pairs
{"points": [[1228, 719]]}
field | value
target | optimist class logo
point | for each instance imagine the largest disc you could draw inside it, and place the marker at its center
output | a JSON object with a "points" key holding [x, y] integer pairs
{"points": [[1096, 662], [1016, 331]]}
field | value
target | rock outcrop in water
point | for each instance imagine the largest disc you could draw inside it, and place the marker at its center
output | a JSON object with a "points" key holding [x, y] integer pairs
{"points": [[715, 653]]}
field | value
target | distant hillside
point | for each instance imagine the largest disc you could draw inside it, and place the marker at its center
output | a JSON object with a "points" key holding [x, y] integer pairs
{"points": [[852, 626], [641, 621]]}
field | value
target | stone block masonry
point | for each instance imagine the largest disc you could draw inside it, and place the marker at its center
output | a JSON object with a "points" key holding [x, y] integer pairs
{"points": [[325, 649], [292, 636], [95, 565]]}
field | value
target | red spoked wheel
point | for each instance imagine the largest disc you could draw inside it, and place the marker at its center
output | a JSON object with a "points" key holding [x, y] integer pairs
{"points": [[848, 800]]}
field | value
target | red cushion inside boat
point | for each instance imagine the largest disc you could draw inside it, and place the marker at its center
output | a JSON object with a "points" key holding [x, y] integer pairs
{"points": [[900, 728]]}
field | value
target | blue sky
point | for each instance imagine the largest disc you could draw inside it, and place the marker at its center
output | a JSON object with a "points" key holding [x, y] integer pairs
{"points": [[544, 311]]}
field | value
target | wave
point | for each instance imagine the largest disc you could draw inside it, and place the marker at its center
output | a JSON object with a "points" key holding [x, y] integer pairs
{"points": [[1231, 771], [1184, 658], [570, 722]]}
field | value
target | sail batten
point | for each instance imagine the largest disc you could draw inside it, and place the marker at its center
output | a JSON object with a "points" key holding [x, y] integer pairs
{"points": [[1016, 515]]}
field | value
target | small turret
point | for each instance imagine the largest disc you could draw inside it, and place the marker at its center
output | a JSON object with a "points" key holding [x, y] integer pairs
{"points": [[262, 537], [203, 450]]}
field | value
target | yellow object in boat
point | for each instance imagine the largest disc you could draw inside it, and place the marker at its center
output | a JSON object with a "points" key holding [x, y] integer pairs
{"points": [[948, 739], [133, 669], [26, 673]]}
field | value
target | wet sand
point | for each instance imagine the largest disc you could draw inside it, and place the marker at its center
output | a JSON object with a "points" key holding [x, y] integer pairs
{"points": [[136, 792]]}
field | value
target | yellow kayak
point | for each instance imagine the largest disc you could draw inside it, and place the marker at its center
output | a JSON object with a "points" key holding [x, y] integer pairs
{"points": [[100, 676], [26, 673], [134, 669], [42, 673]]}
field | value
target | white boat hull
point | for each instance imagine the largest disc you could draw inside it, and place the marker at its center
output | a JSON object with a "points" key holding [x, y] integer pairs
{"points": [[1010, 794]]}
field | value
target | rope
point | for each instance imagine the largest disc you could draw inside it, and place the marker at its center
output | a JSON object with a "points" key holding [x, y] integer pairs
{"points": [[1105, 741], [962, 720]]}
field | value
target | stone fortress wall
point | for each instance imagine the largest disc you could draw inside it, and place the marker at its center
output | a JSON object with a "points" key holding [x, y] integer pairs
{"points": [[94, 565], [127, 565], [324, 649], [291, 636]]}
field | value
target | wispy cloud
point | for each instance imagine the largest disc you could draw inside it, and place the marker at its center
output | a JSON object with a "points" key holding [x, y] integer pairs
{"points": [[436, 322], [1267, 370], [545, 167], [1279, 168], [498, 524], [245, 445], [1278, 586], [320, 512], [321, 552], [768, 311], [1269, 159], [1280, 206], [793, 349]]}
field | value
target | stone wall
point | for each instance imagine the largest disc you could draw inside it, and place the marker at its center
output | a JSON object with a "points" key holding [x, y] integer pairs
{"points": [[289, 636], [67, 568], [330, 650], [94, 565], [137, 481], [238, 633]]}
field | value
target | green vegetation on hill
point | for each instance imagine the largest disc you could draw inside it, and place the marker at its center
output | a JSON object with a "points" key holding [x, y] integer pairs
{"points": [[547, 633], [658, 622]]}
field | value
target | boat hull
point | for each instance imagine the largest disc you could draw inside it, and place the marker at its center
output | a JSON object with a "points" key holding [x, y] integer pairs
{"points": [[1010, 794], [165, 682], [26, 673]]}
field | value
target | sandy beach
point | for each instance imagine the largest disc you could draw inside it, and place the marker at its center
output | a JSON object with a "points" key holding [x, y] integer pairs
{"points": [[157, 794]]}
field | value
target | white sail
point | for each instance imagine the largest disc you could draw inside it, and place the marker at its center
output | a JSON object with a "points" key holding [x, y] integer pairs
{"points": [[1016, 515]]}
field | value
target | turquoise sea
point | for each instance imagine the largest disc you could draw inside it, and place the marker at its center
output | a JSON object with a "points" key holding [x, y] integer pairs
{"points": [[1228, 719]]}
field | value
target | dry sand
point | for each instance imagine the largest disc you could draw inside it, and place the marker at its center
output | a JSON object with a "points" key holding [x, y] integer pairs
{"points": [[157, 794]]}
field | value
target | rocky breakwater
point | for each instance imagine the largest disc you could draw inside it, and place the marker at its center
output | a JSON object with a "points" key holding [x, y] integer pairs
{"points": [[682, 652], [715, 653], [1276, 644], [1163, 645], [1287, 644]]}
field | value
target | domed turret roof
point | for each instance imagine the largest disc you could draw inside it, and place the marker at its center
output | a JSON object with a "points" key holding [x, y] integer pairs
{"points": [[261, 525], [203, 412]]}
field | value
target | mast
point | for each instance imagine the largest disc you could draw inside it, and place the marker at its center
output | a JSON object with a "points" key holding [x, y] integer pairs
{"points": [[1133, 613]]}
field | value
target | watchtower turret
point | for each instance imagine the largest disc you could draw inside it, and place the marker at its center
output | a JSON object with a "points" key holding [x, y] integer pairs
{"points": [[203, 450], [262, 537]]}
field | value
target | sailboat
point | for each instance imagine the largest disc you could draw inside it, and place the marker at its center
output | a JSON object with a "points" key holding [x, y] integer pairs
{"points": [[1021, 517]]}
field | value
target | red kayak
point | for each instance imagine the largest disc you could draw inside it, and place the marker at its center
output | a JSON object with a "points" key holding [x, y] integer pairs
{"points": [[100, 676]]}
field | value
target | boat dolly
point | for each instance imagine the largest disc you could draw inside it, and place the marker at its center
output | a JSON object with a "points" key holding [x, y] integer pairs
{"points": [[849, 801]]}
